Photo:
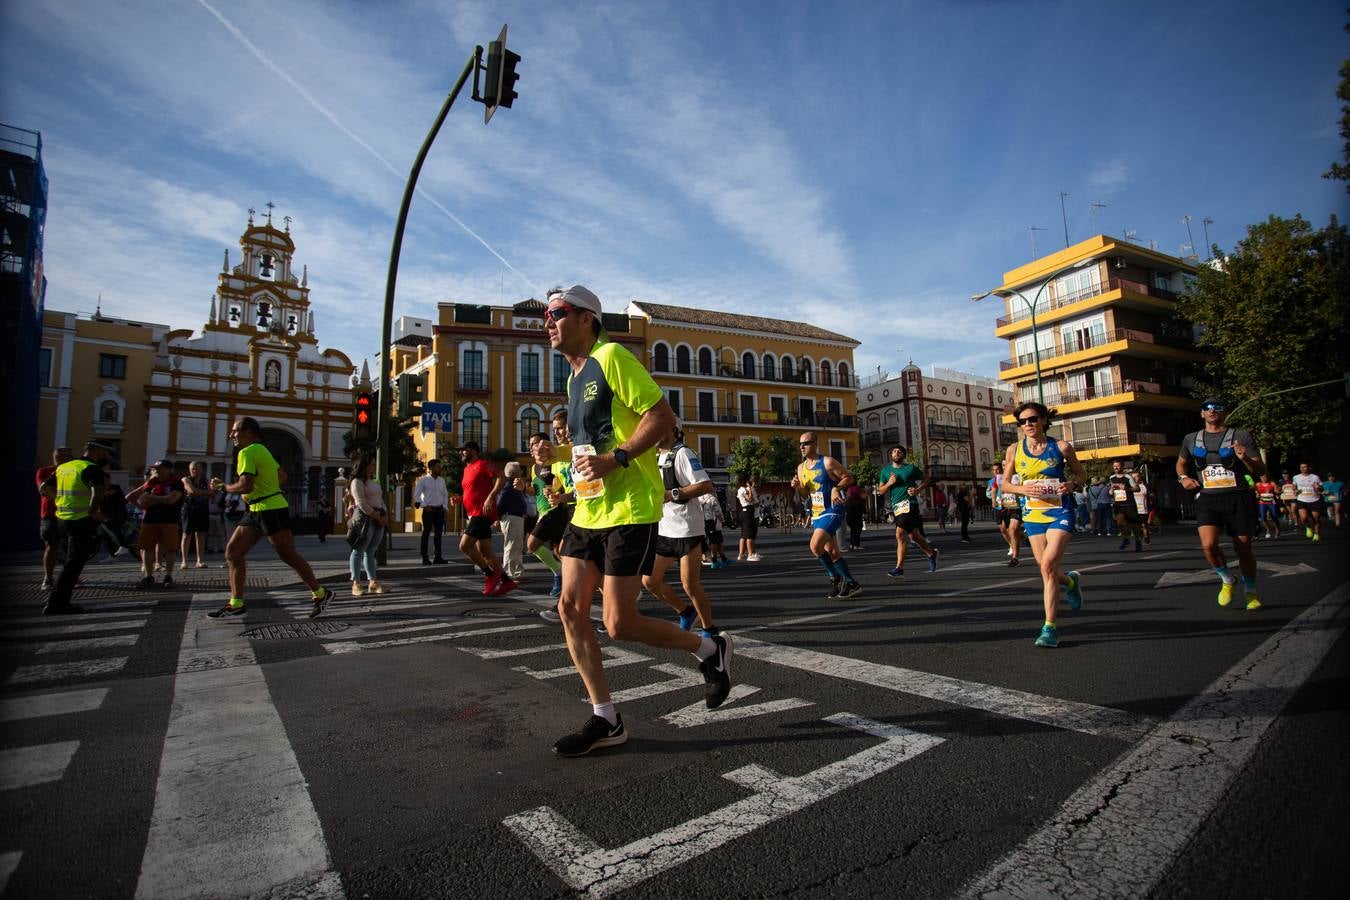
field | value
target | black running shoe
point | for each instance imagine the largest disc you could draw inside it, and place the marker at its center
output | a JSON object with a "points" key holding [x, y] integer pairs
{"points": [[851, 589], [168, 584], [835, 585], [320, 603], [227, 613], [147, 581], [1014, 561], [716, 671], [595, 733]]}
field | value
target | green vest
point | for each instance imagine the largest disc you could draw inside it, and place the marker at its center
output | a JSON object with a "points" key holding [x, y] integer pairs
{"points": [[73, 496]]}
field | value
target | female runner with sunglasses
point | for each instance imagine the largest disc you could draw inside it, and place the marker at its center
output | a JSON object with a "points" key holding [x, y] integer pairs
{"points": [[1038, 462]]}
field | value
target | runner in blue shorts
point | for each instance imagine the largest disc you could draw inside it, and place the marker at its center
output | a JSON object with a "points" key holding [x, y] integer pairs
{"points": [[824, 481], [1038, 462]]}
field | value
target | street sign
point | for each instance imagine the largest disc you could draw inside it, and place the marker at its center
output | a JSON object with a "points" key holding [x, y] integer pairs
{"points": [[438, 417]]}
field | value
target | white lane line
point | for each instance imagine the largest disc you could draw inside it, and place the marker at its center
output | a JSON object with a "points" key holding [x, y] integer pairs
{"points": [[696, 714], [1068, 714], [123, 611], [684, 678], [8, 863], [408, 626], [802, 620], [1034, 579], [82, 628], [423, 639], [1121, 833], [27, 766], [232, 814], [57, 671], [489, 653], [38, 706], [614, 656], [588, 868], [76, 644]]}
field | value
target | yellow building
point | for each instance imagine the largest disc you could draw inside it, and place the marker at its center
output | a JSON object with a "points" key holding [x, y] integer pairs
{"points": [[92, 373], [1113, 358], [728, 376]]}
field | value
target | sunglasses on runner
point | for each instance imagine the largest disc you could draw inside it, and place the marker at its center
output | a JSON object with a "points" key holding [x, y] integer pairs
{"points": [[1029, 420], [1214, 407], [558, 313]]}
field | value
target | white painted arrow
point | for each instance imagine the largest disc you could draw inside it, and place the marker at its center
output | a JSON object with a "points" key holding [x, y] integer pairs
{"points": [[587, 867], [1277, 570]]}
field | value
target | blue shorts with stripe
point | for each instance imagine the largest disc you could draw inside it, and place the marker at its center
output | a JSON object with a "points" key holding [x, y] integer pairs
{"points": [[829, 521], [1063, 521]]}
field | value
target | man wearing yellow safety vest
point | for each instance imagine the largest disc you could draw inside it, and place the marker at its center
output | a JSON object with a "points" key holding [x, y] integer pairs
{"points": [[74, 486]]}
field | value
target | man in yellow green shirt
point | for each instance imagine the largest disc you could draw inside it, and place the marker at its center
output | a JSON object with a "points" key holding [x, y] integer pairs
{"points": [[259, 482]]}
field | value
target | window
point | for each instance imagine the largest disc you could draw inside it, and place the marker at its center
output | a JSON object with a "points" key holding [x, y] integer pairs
{"points": [[768, 368], [45, 367], [529, 424], [1077, 285], [1045, 338], [707, 451], [980, 420], [562, 370], [843, 375], [111, 366], [1091, 432], [826, 373], [471, 424], [682, 360], [836, 412], [472, 375], [748, 364], [1082, 334], [707, 406], [674, 397], [705, 366], [787, 368], [837, 451], [747, 409], [109, 411], [529, 373], [660, 358]]}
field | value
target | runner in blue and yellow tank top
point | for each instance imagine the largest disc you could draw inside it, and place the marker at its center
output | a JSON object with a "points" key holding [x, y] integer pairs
{"points": [[1037, 463], [823, 481]]}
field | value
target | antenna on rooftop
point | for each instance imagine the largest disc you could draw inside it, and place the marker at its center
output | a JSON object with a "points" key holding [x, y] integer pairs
{"points": [[1132, 235], [1092, 212], [1033, 229], [1205, 223]]}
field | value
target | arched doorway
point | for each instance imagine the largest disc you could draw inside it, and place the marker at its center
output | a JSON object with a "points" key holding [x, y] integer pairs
{"points": [[291, 458]]}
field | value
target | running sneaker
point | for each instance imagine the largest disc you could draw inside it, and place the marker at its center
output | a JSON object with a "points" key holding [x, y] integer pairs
{"points": [[1074, 592], [1049, 636], [47, 584], [551, 615], [227, 613], [932, 561], [1125, 542], [753, 557], [1014, 561], [505, 585], [1252, 602], [491, 582], [146, 581], [556, 589], [707, 633], [851, 589], [1138, 547], [168, 582], [688, 618], [1307, 532], [897, 572], [1225, 594], [835, 585], [597, 732], [1317, 537], [320, 603], [716, 671]]}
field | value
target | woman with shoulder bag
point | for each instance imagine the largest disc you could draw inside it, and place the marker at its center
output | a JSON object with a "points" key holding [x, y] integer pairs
{"points": [[369, 518]]}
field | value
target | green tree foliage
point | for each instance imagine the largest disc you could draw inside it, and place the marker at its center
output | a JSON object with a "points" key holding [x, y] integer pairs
{"points": [[1273, 314], [747, 458], [865, 472], [404, 462], [1341, 171], [780, 459]]}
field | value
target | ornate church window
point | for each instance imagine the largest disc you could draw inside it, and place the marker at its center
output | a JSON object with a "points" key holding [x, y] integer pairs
{"points": [[272, 375], [267, 267]]}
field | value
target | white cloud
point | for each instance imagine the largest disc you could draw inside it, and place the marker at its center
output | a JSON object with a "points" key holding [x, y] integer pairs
{"points": [[1109, 176]]}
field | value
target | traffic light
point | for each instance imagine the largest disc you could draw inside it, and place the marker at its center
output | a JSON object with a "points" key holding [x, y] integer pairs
{"points": [[411, 393], [499, 87], [363, 418]]}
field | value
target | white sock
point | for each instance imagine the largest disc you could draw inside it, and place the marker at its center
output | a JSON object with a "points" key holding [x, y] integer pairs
{"points": [[706, 649], [606, 711]]}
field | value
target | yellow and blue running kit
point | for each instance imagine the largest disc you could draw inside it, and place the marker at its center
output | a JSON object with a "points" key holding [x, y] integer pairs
{"points": [[1042, 513], [826, 514]]}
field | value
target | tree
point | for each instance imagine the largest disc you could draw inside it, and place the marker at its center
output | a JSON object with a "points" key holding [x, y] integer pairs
{"points": [[780, 459], [404, 461], [1341, 171], [747, 458], [1273, 314], [865, 472]]}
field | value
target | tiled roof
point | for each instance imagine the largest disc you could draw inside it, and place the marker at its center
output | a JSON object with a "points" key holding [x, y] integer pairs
{"points": [[716, 319], [413, 340]]}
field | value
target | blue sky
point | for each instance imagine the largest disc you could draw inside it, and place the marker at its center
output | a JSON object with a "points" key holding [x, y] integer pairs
{"points": [[861, 166]]}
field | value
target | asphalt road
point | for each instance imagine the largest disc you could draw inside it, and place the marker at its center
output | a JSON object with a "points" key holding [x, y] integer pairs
{"points": [[909, 742]]}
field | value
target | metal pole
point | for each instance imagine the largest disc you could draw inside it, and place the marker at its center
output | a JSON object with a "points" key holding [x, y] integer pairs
{"points": [[1065, 216], [382, 416], [1036, 348]]}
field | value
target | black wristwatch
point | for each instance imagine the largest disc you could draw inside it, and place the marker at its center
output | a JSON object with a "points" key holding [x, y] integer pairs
{"points": [[621, 457]]}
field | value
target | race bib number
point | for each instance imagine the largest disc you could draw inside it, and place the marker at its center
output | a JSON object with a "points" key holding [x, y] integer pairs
{"points": [[1045, 494], [1008, 501], [901, 508], [1218, 477], [1333, 498], [1267, 498], [1120, 495], [586, 490], [817, 503]]}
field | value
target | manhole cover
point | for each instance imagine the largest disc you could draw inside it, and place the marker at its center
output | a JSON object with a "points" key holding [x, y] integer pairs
{"points": [[495, 612], [285, 630]]}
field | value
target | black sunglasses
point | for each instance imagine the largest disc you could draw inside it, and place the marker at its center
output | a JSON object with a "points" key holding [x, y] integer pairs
{"points": [[1028, 420], [1214, 407], [558, 313]]}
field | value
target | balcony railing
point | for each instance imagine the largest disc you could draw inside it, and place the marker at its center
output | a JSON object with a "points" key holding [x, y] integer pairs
{"points": [[871, 440], [948, 432], [944, 471], [890, 435], [1020, 312], [1103, 441], [1079, 341], [473, 381], [731, 415]]}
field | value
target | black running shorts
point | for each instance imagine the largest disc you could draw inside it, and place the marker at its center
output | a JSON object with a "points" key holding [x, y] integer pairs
{"points": [[1128, 510], [551, 525], [1006, 515], [479, 528], [678, 547], [1234, 511], [910, 521], [268, 521], [621, 551]]}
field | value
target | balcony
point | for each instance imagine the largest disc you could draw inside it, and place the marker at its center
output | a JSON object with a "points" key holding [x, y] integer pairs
{"points": [[948, 432], [814, 377], [890, 435], [731, 415], [1112, 284], [1107, 441], [943, 471], [1078, 342]]}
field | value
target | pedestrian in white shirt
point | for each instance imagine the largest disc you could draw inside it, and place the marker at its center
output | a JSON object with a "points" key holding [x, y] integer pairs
{"points": [[748, 496], [681, 533], [1309, 501], [430, 496], [369, 502]]}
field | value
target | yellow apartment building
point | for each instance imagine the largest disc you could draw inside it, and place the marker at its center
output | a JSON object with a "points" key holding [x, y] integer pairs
{"points": [[1113, 357]]}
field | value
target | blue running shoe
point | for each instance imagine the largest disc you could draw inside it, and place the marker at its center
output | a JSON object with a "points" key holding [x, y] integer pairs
{"points": [[1125, 542], [706, 632], [688, 617], [932, 561], [896, 572], [556, 590], [1049, 637], [1074, 592]]}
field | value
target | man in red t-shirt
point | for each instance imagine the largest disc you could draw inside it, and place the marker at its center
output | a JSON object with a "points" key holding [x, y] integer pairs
{"points": [[481, 482], [51, 539]]}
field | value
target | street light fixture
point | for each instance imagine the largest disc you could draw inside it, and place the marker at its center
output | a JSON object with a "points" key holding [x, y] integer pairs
{"points": [[1031, 309]]}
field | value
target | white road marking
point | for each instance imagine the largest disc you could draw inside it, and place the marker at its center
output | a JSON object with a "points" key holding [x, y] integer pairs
{"points": [[232, 814], [38, 706], [696, 714], [1278, 570], [802, 620], [684, 678], [411, 625], [123, 611], [1068, 714], [423, 639], [8, 863], [614, 656], [1033, 579], [1118, 835], [489, 653], [27, 766], [93, 643], [58, 671], [50, 630], [587, 867]]}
